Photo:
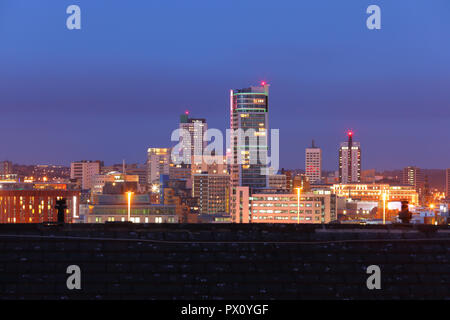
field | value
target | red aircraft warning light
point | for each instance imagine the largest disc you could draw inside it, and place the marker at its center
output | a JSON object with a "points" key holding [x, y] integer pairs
{"points": [[263, 83], [350, 133]]}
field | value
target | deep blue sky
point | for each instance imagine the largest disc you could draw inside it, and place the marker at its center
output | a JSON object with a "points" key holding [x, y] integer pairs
{"points": [[117, 86]]}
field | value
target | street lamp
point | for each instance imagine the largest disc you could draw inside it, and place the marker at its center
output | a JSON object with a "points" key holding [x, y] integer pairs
{"points": [[384, 208], [129, 193], [298, 204]]}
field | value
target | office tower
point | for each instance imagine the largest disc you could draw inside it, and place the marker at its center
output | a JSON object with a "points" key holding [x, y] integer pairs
{"points": [[212, 192], [350, 161], [85, 171], [413, 176], [313, 163], [249, 146], [210, 185], [195, 145], [158, 162], [211, 164], [447, 183]]}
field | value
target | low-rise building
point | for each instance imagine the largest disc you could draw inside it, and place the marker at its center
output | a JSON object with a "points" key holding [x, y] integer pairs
{"points": [[279, 207], [36, 205], [114, 207]]}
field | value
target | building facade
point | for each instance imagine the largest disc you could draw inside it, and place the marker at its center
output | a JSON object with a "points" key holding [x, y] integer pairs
{"points": [[212, 192], [114, 207], [248, 138], [376, 192], [413, 176], [36, 205], [85, 171], [278, 181], [350, 161], [276, 207], [158, 163], [194, 145], [313, 163]]}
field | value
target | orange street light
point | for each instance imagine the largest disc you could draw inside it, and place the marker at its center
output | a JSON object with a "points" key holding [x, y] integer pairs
{"points": [[129, 193], [298, 203]]}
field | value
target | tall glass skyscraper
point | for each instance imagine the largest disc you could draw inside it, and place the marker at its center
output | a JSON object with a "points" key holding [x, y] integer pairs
{"points": [[249, 146]]}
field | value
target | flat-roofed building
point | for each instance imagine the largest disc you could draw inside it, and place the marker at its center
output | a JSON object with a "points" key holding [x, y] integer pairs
{"points": [[376, 192], [313, 163], [36, 205], [278, 181], [84, 171], [212, 192], [277, 207], [158, 162], [114, 177], [114, 207]]}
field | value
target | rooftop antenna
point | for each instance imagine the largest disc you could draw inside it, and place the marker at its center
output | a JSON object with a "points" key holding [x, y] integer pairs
{"points": [[313, 145], [123, 167]]}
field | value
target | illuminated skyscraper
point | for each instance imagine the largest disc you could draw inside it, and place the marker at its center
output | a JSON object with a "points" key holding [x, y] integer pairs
{"points": [[313, 163], [350, 161], [412, 176], [158, 161], [249, 112], [196, 145]]}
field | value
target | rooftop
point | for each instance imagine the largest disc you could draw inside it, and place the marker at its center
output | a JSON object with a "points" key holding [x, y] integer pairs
{"points": [[224, 261]]}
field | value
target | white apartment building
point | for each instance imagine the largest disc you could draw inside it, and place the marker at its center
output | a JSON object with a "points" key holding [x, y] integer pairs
{"points": [[85, 171], [313, 163]]}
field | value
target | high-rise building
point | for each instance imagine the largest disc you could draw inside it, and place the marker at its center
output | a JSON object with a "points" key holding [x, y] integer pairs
{"points": [[84, 171], [196, 145], [313, 163], [211, 185], [212, 192], [350, 161], [413, 176], [158, 163], [248, 139], [447, 183]]}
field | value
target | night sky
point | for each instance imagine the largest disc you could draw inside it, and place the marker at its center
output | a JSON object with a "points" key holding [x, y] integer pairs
{"points": [[117, 86]]}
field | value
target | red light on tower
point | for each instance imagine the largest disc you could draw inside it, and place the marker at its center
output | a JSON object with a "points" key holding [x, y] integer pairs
{"points": [[263, 83], [186, 112], [350, 133]]}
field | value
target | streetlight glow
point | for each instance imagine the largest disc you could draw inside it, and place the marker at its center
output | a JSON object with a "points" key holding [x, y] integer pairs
{"points": [[298, 204], [129, 193]]}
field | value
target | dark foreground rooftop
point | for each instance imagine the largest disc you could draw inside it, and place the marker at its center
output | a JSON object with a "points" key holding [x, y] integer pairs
{"points": [[121, 261]]}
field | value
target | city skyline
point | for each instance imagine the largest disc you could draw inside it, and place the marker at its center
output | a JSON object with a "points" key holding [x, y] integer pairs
{"points": [[103, 93]]}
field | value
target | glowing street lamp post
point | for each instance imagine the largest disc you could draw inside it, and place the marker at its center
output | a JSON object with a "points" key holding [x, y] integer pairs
{"points": [[298, 204], [129, 193], [384, 208]]}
